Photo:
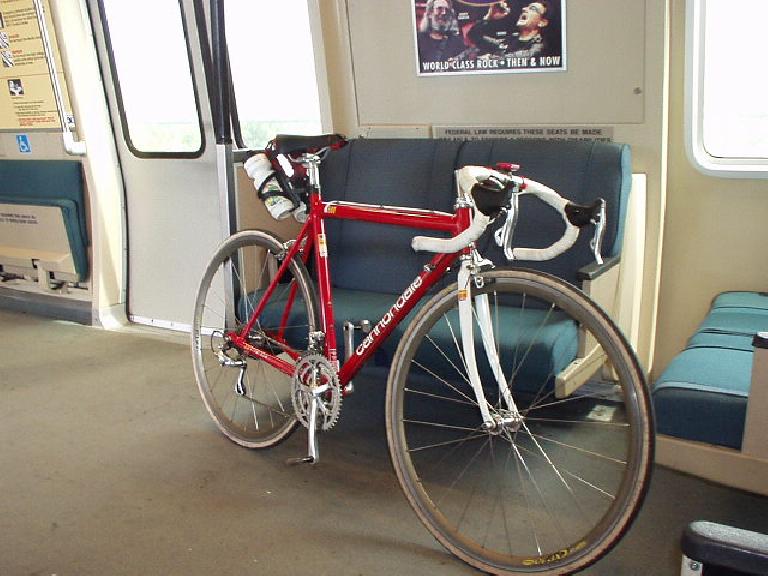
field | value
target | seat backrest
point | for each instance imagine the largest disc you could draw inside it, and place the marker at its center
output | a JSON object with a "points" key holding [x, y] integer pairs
{"points": [[578, 171], [420, 174], [401, 172]]}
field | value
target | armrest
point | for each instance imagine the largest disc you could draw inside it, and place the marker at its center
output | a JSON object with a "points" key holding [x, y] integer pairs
{"points": [[726, 547], [755, 441], [594, 270]]}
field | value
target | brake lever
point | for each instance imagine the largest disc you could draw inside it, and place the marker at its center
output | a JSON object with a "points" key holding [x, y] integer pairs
{"points": [[503, 235], [598, 221]]}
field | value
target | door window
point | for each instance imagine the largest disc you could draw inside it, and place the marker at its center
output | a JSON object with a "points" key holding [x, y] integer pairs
{"points": [[150, 62]]}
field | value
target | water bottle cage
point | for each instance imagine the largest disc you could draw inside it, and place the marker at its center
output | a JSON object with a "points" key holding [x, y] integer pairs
{"points": [[285, 191]]}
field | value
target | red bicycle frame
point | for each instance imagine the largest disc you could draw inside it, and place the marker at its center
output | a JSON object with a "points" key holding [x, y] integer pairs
{"points": [[312, 235]]}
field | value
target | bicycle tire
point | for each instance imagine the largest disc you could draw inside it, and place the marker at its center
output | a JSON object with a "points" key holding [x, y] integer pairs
{"points": [[481, 509], [260, 415]]}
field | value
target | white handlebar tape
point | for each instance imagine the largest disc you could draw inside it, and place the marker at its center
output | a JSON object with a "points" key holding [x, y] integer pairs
{"points": [[466, 178], [569, 237], [459, 242]]}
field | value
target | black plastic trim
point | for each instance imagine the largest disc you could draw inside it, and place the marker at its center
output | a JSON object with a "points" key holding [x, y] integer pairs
{"points": [[760, 340], [726, 547], [594, 270]]}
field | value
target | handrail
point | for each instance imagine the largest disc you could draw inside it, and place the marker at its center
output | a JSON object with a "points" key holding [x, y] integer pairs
{"points": [[72, 146]]}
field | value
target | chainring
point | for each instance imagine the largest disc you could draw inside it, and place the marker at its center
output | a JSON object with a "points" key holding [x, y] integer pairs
{"points": [[316, 377]]}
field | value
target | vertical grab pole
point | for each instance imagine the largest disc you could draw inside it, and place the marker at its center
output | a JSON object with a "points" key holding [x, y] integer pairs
{"points": [[225, 162]]}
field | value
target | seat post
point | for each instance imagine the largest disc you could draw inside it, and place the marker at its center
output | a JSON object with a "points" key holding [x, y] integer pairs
{"points": [[312, 162]]}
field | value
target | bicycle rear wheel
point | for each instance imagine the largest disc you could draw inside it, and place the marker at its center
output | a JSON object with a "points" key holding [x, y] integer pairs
{"points": [[250, 400], [554, 491]]}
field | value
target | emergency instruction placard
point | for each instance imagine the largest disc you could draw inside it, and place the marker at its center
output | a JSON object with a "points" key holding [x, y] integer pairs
{"points": [[27, 99]]}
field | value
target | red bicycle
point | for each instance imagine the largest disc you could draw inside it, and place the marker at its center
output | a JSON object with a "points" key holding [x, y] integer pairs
{"points": [[518, 419]]}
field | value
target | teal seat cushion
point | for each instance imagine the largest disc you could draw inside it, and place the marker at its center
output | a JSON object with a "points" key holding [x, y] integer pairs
{"points": [[702, 396], [745, 321], [721, 340], [741, 299]]}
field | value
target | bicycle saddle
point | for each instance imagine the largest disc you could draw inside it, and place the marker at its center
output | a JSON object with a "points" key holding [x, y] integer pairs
{"points": [[291, 144]]}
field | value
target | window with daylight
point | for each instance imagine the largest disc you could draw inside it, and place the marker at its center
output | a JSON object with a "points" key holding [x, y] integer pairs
{"points": [[272, 57], [153, 77], [727, 88]]}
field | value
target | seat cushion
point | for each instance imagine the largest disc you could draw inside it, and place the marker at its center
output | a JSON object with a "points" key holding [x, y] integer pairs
{"points": [[702, 396], [546, 341], [744, 321], [741, 299], [541, 341], [721, 340]]}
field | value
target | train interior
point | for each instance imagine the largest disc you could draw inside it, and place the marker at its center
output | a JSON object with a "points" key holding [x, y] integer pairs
{"points": [[124, 127]]}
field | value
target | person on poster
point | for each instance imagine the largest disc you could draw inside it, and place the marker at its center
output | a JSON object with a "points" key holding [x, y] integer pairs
{"points": [[491, 35], [439, 37], [529, 41]]}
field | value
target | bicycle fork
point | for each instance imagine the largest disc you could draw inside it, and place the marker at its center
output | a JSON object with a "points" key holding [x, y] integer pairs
{"points": [[468, 282]]}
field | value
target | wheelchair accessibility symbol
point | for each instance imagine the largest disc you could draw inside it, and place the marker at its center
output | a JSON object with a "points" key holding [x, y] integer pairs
{"points": [[23, 142]]}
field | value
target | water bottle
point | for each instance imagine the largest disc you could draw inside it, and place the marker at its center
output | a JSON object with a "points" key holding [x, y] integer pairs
{"points": [[277, 204], [300, 214]]}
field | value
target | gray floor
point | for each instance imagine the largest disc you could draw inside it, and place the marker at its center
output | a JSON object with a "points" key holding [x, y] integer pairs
{"points": [[109, 464]]}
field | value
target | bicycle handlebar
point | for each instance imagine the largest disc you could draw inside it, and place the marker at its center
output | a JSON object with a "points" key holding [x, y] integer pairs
{"points": [[488, 180]]}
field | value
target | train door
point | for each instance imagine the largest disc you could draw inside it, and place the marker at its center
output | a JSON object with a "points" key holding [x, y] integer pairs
{"points": [[180, 187], [156, 86]]}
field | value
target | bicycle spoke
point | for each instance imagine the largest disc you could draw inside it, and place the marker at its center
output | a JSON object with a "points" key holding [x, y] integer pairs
{"points": [[447, 443], [587, 422], [438, 397], [574, 476], [444, 381], [553, 517], [555, 469], [437, 425], [582, 450], [458, 349], [440, 350]]}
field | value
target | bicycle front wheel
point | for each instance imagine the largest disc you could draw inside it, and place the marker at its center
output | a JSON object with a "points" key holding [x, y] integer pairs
{"points": [[548, 491], [249, 399]]}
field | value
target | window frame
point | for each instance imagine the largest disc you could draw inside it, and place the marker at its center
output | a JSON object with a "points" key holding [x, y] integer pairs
{"points": [[703, 161], [119, 95]]}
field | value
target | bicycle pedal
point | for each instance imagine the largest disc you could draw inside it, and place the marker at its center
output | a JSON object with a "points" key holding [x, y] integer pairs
{"points": [[296, 461]]}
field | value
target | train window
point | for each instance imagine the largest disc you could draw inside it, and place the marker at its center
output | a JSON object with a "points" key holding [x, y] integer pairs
{"points": [[727, 91], [272, 59], [151, 65]]}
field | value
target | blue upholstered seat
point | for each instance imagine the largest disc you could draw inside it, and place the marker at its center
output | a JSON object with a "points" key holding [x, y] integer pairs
{"points": [[741, 299], [371, 264], [702, 395], [51, 183]]}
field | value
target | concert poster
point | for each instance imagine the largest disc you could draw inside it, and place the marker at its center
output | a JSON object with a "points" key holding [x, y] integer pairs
{"points": [[480, 37]]}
